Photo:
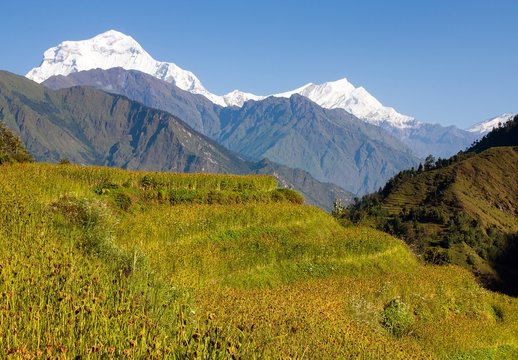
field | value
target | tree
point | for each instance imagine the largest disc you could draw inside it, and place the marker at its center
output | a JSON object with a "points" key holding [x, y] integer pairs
{"points": [[429, 162]]}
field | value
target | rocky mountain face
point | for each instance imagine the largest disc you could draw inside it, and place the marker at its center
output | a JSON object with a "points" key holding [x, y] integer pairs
{"points": [[196, 110], [89, 126], [332, 145]]}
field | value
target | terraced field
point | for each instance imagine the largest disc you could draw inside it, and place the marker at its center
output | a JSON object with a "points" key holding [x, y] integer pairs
{"points": [[98, 262]]}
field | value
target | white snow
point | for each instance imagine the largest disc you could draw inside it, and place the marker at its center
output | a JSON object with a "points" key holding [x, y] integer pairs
{"points": [[357, 101], [114, 49], [488, 125], [238, 98]]}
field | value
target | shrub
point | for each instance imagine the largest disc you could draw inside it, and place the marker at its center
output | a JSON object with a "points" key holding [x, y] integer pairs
{"points": [[104, 186], [397, 318], [437, 256], [122, 201], [181, 196], [149, 182]]}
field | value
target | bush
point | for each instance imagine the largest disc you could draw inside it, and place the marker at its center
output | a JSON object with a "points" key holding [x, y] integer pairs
{"points": [[437, 256], [397, 318], [122, 201], [149, 182], [104, 186], [182, 196]]}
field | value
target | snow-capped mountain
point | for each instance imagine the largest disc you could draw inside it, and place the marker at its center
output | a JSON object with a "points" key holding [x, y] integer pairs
{"points": [[488, 125], [114, 49], [238, 98], [339, 94], [355, 100]]}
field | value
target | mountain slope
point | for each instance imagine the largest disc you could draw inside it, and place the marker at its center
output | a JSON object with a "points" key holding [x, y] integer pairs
{"points": [[88, 126], [162, 276], [332, 145], [342, 94], [425, 139], [351, 158], [315, 192], [196, 110], [463, 210]]}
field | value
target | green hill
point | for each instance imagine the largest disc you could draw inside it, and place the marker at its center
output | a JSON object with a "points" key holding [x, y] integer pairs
{"points": [[463, 210], [107, 263]]}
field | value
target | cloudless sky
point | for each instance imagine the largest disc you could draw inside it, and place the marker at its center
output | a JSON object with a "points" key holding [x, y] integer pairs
{"points": [[441, 61]]}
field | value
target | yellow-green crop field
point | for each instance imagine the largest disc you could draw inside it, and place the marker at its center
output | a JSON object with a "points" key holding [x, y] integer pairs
{"points": [[107, 263]]}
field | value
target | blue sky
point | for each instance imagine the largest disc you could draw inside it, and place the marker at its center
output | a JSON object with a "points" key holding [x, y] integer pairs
{"points": [[449, 62]]}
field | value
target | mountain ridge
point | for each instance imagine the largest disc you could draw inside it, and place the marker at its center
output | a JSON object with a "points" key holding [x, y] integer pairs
{"points": [[275, 122], [119, 132], [486, 126], [115, 49], [70, 57]]}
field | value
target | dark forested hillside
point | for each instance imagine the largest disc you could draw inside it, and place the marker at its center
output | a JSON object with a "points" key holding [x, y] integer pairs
{"points": [[462, 210]]}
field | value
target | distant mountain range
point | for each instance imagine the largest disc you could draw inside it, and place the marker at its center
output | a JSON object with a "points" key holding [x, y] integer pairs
{"points": [[114, 49], [331, 144], [88, 126]]}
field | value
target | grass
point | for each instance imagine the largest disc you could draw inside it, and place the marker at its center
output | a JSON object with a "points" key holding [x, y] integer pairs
{"points": [[98, 262]]}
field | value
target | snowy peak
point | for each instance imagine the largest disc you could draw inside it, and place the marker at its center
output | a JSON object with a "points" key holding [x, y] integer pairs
{"points": [[338, 94], [344, 95], [106, 50], [488, 125], [238, 98], [114, 49]]}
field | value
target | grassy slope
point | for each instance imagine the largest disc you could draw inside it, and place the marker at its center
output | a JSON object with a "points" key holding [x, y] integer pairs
{"points": [[464, 213], [266, 277], [480, 186]]}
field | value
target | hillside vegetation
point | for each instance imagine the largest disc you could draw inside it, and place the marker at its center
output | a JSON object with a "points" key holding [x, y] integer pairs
{"points": [[106, 263], [462, 210], [11, 148]]}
